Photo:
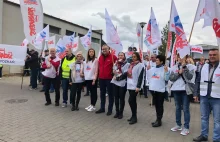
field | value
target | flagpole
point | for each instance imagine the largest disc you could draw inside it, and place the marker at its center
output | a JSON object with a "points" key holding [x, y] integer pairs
{"points": [[193, 23], [169, 30]]}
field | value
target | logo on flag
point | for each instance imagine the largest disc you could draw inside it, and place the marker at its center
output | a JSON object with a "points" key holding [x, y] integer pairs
{"points": [[216, 27], [30, 2]]}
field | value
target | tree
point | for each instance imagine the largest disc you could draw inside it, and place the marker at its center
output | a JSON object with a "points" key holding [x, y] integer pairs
{"points": [[162, 48]]}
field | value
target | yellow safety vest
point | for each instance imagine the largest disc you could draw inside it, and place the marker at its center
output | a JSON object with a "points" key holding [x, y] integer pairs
{"points": [[1, 65], [66, 68]]}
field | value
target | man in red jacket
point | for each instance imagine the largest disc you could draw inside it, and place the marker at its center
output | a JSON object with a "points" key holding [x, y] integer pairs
{"points": [[106, 61]]}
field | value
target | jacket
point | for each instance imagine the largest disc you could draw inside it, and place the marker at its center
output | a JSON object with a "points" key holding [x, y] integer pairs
{"points": [[177, 79], [54, 70], [33, 61], [106, 66], [61, 63]]}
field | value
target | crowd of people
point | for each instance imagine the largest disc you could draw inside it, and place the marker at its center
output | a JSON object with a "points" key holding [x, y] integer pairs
{"points": [[186, 81]]}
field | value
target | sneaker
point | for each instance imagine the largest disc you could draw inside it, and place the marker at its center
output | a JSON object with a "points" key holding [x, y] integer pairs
{"points": [[106, 95], [184, 132], [64, 105], [92, 108], [88, 107], [0, 78], [176, 128], [33, 89]]}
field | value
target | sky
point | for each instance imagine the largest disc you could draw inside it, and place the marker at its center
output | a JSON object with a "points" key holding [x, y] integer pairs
{"points": [[126, 14]]}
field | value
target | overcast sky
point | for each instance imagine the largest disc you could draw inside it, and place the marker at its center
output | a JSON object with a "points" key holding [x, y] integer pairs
{"points": [[126, 13]]}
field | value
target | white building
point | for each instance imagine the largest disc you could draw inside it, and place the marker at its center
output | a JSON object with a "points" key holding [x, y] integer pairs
{"points": [[11, 29]]}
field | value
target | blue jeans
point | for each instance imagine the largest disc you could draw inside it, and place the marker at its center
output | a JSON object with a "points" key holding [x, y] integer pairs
{"points": [[34, 73], [65, 86], [206, 105], [182, 101], [106, 84]]}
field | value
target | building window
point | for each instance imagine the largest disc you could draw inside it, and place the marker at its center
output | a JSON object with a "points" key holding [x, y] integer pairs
{"points": [[53, 29], [80, 35], [69, 33], [95, 40]]}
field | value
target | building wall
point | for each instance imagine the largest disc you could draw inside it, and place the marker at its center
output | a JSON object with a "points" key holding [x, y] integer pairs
{"points": [[12, 29]]}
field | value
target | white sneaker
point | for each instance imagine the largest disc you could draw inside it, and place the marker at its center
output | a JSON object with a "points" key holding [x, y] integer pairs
{"points": [[88, 107], [64, 105], [184, 132], [92, 108], [176, 128], [0, 78], [106, 95]]}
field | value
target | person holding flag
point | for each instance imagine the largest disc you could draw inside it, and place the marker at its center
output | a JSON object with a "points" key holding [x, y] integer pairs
{"points": [[157, 83]]}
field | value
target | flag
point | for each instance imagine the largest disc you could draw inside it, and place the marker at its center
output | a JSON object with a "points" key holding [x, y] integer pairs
{"points": [[138, 30], [181, 43], [60, 49], [51, 42], [32, 15], [87, 39], [75, 44], [45, 48], [169, 44], [40, 37], [25, 42], [153, 38], [203, 12], [173, 56], [68, 41], [112, 38], [209, 10]]}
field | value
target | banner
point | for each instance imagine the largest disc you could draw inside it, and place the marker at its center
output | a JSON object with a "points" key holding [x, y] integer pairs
{"points": [[25, 42], [153, 38], [112, 38], [51, 42], [196, 49], [32, 15], [87, 39], [181, 43], [40, 37], [12, 55]]}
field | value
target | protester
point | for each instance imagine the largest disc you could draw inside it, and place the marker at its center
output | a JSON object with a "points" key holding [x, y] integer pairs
{"points": [[1, 67], [76, 80], [119, 87], [32, 60], [106, 61], [208, 84], [157, 77], [65, 73], [51, 74], [42, 60], [181, 75], [146, 83], [91, 73]]}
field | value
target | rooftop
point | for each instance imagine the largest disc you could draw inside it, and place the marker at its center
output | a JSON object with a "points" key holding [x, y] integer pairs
{"points": [[95, 31]]}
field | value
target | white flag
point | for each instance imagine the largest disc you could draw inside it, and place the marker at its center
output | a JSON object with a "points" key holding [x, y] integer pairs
{"points": [[87, 39], [138, 31], [41, 36], [32, 15], [209, 10], [25, 42], [75, 44], [112, 38], [196, 49], [52, 42], [68, 41], [60, 48], [181, 43], [153, 38]]}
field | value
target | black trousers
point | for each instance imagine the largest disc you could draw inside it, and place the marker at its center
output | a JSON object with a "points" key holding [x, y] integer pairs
{"points": [[56, 83], [158, 100], [119, 94], [133, 102], [76, 89], [93, 90]]}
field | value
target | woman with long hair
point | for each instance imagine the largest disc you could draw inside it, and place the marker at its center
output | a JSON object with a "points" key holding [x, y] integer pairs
{"points": [[90, 73], [119, 87], [135, 75], [76, 80]]}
